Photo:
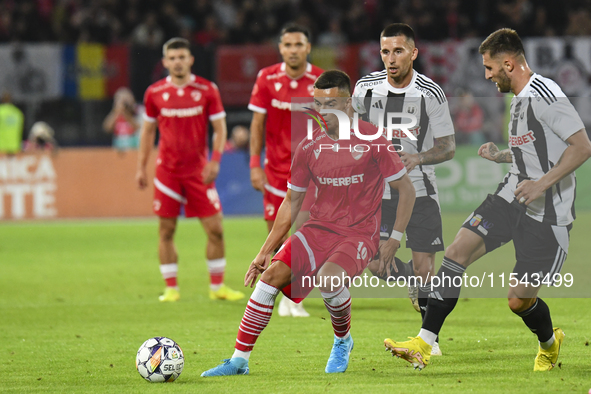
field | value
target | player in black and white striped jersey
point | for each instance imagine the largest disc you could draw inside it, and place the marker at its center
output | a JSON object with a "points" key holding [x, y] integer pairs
{"points": [[533, 205], [399, 88]]}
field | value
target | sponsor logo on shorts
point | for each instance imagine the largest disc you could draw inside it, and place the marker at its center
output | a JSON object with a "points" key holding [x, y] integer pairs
{"points": [[475, 221], [270, 209]]}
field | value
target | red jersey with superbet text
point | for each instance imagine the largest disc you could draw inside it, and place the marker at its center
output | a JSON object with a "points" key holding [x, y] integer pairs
{"points": [[272, 95], [349, 175], [183, 114]]}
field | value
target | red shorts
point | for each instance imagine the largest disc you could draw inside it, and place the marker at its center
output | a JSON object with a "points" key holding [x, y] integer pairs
{"points": [[306, 251], [170, 192], [275, 191]]}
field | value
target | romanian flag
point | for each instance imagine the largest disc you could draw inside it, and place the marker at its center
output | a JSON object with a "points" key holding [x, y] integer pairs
{"points": [[95, 71]]}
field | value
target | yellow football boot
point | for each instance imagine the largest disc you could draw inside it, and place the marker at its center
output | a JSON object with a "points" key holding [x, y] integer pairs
{"points": [[225, 293], [416, 351], [546, 359]]}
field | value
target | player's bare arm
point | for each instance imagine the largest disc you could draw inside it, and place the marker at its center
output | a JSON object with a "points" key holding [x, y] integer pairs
{"points": [[578, 151], [257, 130], [491, 152], [212, 168], [406, 202], [288, 211], [147, 138], [444, 149]]}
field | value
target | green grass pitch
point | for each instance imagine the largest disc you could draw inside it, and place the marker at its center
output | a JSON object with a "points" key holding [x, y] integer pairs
{"points": [[77, 299]]}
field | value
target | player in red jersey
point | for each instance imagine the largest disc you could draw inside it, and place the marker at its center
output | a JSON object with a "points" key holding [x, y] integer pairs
{"points": [[271, 103], [342, 234], [182, 105]]}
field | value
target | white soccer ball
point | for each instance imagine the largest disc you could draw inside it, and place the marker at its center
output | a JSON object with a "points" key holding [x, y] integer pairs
{"points": [[160, 359]]}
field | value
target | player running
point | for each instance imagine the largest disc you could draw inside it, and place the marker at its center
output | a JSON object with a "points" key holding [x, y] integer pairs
{"points": [[399, 88], [182, 105], [533, 205], [271, 104], [341, 235]]}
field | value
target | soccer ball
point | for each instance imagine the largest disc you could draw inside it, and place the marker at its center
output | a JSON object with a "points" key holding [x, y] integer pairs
{"points": [[160, 359]]}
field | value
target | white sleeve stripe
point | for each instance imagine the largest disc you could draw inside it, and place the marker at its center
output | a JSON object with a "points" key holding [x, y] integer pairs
{"points": [[149, 118], [396, 176], [296, 188], [254, 108], [275, 191], [217, 116]]}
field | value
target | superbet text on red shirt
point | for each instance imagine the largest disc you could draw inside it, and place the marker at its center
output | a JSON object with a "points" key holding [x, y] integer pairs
{"points": [[272, 95], [183, 114]]}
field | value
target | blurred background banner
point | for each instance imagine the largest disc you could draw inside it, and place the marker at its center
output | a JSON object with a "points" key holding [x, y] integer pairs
{"points": [[32, 72], [72, 86], [100, 182]]}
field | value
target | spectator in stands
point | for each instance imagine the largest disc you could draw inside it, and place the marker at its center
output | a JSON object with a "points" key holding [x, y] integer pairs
{"points": [[238, 141], [468, 120], [41, 138], [148, 33], [11, 126], [124, 120]]}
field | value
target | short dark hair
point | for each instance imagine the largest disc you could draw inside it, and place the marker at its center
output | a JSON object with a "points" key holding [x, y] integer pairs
{"points": [[398, 29], [294, 28], [334, 79], [176, 43], [502, 41]]}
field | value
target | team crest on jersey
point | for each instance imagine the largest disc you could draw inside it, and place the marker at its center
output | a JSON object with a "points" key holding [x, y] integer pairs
{"points": [[278, 86], [157, 205], [356, 155], [311, 90], [196, 95], [412, 109], [180, 92], [165, 96], [475, 221]]}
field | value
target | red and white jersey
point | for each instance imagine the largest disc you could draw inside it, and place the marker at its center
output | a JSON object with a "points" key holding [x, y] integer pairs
{"points": [[272, 95], [349, 175], [183, 114]]}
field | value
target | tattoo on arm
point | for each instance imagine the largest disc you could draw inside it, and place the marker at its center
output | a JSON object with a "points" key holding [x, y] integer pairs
{"points": [[443, 150], [504, 156]]}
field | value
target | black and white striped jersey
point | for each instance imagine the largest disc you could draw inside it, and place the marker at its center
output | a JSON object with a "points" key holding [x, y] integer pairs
{"points": [[374, 97], [542, 119]]}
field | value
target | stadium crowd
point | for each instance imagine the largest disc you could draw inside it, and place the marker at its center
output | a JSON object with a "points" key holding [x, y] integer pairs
{"points": [[206, 22]]}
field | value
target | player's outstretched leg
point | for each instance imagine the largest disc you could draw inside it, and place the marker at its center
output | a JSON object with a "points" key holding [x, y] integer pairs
{"points": [[442, 301], [338, 304], [547, 357], [256, 317], [536, 315]]}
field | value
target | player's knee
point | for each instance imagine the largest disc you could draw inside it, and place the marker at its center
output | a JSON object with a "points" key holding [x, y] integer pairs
{"points": [[167, 232], [216, 234], [457, 253], [277, 275], [423, 268], [518, 305]]}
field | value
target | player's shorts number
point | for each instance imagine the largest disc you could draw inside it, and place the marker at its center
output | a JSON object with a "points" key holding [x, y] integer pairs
{"points": [[361, 252]]}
